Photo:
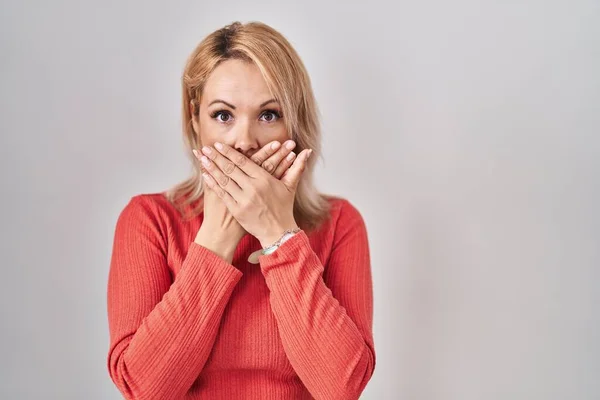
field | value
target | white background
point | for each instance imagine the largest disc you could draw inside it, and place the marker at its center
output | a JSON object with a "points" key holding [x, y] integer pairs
{"points": [[465, 132]]}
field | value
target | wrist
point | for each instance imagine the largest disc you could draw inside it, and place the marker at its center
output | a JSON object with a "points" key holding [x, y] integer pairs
{"points": [[275, 234], [270, 247], [221, 246]]}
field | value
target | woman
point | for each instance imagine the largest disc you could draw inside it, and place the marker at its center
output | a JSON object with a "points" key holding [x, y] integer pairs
{"points": [[255, 286]]}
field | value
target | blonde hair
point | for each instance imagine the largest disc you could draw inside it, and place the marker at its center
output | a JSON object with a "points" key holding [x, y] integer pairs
{"points": [[288, 81]]}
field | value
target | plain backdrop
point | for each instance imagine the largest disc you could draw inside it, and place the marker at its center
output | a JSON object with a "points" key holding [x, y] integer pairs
{"points": [[465, 132]]}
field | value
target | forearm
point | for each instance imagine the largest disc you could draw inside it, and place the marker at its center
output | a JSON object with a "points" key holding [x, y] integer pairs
{"points": [[163, 356], [327, 339]]}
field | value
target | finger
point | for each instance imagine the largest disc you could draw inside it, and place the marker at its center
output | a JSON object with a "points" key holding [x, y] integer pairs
{"points": [[284, 165], [263, 154], [293, 174], [272, 162], [198, 155], [223, 195], [242, 163], [225, 165], [222, 179]]}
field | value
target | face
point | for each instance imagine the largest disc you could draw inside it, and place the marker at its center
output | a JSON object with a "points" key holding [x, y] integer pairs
{"points": [[237, 108]]}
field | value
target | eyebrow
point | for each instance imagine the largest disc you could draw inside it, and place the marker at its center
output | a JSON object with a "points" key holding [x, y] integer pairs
{"points": [[233, 107]]}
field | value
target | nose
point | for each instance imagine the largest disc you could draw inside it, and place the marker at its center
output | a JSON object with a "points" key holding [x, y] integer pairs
{"points": [[246, 141]]}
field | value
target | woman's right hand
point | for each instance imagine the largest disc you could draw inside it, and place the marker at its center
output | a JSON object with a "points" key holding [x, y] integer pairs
{"points": [[220, 232]]}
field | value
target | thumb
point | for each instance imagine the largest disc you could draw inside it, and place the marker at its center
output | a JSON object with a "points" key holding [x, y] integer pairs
{"points": [[291, 177]]}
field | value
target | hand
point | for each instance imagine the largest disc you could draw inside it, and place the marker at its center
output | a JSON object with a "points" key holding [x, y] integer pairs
{"points": [[220, 232], [261, 204], [276, 163]]}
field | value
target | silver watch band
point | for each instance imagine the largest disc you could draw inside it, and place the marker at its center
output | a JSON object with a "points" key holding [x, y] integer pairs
{"points": [[253, 258], [285, 236]]}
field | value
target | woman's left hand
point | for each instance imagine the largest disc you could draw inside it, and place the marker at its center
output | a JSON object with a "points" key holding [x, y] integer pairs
{"points": [[261, 203]]}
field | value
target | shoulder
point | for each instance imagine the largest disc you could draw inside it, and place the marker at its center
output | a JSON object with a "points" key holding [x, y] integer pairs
{"points": [[145, 216], [345, 216], [153, 203], [150, 209], [343, 210], [346, 228]]}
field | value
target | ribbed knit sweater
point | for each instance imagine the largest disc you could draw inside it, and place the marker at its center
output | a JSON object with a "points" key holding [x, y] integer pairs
{"points": [[186, 324]]}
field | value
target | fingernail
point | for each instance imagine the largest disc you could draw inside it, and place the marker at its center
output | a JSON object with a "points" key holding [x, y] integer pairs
{"points": [[275, 145], [218, 145], [309, 154], [290, 144], [291, 156], [206, 150], [204, 160], [195, 153]]}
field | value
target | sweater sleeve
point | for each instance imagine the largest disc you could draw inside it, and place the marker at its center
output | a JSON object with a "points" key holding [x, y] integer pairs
{"points": [[325, 316], [161, 330]]}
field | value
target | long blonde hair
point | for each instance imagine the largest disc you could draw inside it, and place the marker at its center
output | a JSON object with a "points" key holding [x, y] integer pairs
{"points": [[288, 81]]}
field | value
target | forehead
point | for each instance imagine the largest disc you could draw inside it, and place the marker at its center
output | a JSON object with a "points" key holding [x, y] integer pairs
{"points": [[236, 81]]}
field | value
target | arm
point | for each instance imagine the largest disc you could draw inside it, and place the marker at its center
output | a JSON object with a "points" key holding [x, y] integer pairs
{"points": [[161, 331], [325, 316]]}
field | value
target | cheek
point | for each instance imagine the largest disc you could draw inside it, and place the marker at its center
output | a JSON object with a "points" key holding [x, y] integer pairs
{"points": [[277, 132], [209, 133]]}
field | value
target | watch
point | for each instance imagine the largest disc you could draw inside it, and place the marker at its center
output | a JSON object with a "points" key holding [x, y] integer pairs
{"points": [[270, 249]]}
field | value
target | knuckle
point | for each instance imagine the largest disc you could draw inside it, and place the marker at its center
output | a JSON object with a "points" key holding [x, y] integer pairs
{"points": [[229, 167], [241, 160], [224, 180]]}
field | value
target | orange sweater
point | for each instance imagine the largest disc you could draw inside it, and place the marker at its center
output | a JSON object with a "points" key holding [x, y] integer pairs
{"points": [[186, 324]]}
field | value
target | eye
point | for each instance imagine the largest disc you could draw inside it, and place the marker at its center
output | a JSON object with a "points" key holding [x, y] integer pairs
{"points": [[271, 115], [217, 114]]}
